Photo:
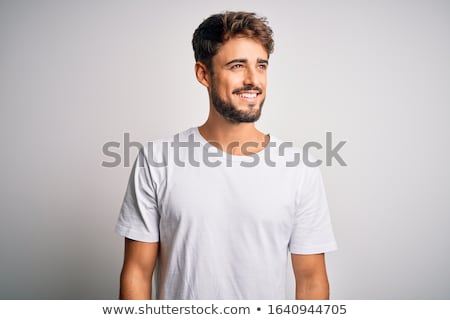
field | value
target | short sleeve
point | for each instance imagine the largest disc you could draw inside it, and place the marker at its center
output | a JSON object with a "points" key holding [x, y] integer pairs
{"points": [[312, 231], [139, 216]]}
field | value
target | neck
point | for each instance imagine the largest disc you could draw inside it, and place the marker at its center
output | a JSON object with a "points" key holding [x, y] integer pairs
{"points": [[231, 137]]}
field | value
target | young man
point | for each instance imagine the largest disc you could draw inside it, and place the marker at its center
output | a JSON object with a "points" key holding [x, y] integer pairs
{"points": [[223, 208]]}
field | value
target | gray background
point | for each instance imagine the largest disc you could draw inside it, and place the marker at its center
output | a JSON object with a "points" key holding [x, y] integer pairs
{"points": [[75, 75]]}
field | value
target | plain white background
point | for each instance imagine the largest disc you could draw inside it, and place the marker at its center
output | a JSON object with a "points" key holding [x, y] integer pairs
{"points": [[77, 74]]}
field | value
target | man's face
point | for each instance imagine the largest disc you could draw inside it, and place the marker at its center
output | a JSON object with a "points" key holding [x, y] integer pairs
{"points": [[238, 86]]}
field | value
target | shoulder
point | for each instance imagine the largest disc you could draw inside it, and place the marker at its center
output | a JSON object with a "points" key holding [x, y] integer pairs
{"points": [[301, 163], [290, 153], [157, 149]]}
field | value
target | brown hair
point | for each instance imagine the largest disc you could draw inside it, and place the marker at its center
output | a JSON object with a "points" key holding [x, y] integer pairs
{"points": [[214, 31]]}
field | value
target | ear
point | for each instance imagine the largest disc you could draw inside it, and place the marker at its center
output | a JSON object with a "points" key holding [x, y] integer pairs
{"points": [[202, 74]]}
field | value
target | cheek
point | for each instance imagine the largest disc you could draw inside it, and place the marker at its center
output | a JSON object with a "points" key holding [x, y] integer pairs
{"points": [[263, 80], [226, 85], [229, 88]]}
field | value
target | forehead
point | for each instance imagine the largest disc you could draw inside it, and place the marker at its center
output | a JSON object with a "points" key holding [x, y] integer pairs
{"points": [[241, 48]]}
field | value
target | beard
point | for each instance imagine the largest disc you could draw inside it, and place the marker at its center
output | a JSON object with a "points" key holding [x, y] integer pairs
{"points": [[230, 112]]}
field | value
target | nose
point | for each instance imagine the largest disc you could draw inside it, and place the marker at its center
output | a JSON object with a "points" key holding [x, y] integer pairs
{"points": [[250, 77]]}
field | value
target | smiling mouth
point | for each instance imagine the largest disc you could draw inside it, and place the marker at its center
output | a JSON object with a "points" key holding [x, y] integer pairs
{"points": [[248, 95], [248, 92]]}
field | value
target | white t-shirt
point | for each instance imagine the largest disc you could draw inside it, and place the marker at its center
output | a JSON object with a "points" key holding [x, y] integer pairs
{"points": [[225, 223]]}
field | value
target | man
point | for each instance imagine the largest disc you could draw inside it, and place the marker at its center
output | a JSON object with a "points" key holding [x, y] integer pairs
{"points": [[218, 208]]}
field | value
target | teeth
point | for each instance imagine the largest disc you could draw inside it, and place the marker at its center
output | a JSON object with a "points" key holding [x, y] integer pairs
{"points": [[248, 95]]}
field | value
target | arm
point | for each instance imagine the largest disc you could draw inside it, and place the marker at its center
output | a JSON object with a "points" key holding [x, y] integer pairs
{"points": [[139, 263], [310, 277]]}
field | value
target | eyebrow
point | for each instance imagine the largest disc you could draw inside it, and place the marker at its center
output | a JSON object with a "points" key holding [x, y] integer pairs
{"points": [[263, 61], [245, 61], [236, 61]]}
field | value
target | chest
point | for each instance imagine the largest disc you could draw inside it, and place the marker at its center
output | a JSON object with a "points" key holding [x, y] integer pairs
{"points": [[229, 198]]}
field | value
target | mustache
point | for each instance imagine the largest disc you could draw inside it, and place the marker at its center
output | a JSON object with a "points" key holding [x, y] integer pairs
{"points": [[247, 88]]}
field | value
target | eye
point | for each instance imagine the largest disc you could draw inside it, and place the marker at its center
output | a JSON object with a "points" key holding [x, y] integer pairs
{"points": [[237, 66], [262, 66]]}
